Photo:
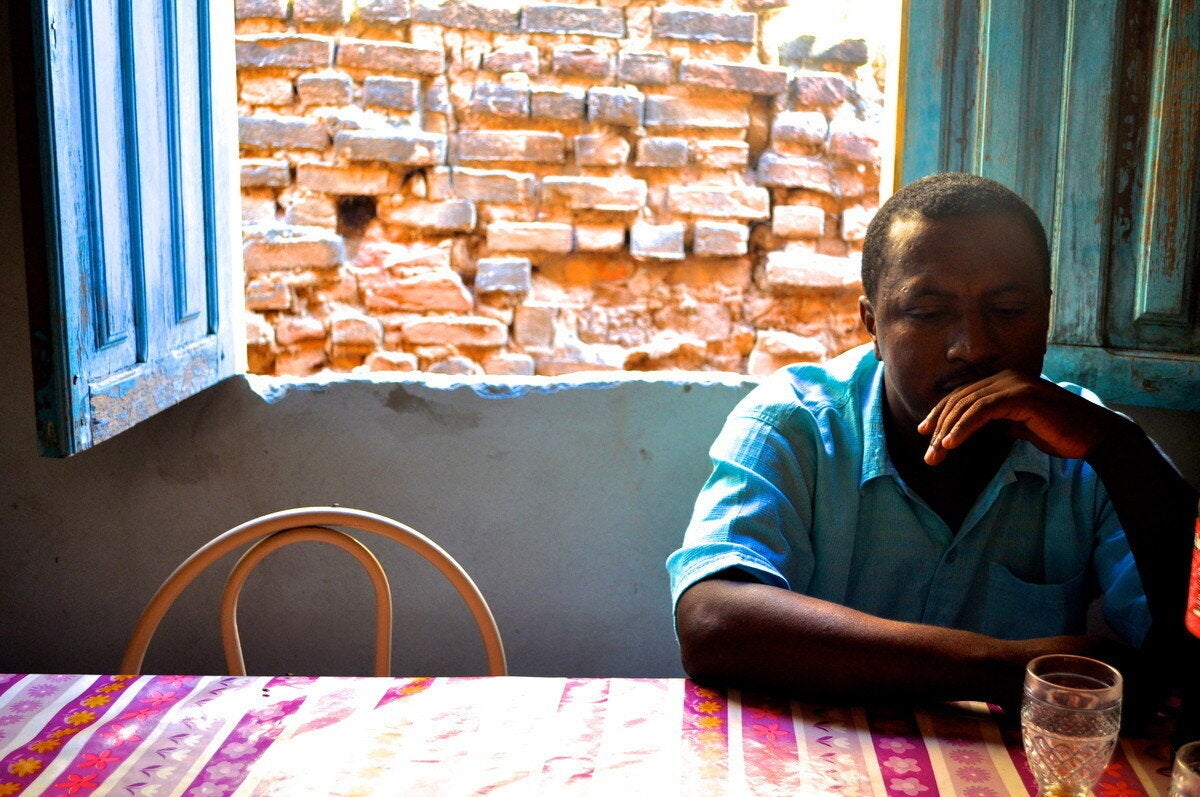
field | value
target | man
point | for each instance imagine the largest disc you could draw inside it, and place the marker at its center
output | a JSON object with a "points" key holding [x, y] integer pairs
{"points": [[920, 517]]}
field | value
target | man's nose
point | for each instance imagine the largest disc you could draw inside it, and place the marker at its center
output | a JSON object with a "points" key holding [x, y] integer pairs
{"points": [[972, 340]]}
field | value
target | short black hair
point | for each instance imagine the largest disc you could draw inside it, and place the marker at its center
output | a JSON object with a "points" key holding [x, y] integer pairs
{"points": [[944, 196]]}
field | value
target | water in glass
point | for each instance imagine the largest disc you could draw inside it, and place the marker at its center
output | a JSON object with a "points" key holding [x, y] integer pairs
{"points": [[1069, 724]]}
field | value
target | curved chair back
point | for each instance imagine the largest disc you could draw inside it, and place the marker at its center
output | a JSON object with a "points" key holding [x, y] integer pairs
{"points": [[273, 531]]}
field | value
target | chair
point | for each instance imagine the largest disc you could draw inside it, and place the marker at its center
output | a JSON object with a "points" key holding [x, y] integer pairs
{"points": [[273, 531]]}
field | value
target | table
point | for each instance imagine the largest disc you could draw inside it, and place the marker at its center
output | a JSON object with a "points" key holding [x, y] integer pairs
{"points": [[210, 736]]}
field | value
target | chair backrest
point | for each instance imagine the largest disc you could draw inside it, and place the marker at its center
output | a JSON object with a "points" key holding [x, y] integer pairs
{"points": [[273, 531]]}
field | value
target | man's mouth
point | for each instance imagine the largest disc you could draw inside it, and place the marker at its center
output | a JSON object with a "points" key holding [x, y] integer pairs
{"points": [[948, 384]]}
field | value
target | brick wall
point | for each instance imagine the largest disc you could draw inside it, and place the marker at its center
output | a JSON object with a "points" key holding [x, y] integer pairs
{"points": [[498, 188]]}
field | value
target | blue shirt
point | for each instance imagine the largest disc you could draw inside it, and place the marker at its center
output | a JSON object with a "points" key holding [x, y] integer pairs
{"points": [[804, 496]]}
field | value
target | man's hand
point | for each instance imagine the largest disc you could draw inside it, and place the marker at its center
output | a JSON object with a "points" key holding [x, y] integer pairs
{"points": [[1055, 420]]}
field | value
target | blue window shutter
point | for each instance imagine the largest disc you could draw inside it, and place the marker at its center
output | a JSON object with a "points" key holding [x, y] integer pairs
{"points": [[137, 153], [1090, 109]]}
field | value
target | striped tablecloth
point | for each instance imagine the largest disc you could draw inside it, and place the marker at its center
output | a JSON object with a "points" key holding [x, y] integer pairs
{"points": [[218, 736]]}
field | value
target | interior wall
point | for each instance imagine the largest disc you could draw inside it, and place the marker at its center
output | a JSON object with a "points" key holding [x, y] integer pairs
{"points": [[563, 505]]}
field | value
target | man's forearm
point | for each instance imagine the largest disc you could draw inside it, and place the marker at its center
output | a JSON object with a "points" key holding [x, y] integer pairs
{"points": [[752, 634]]}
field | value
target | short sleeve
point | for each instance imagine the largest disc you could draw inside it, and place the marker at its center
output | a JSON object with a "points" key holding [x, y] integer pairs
{"points": [[755, 510]]}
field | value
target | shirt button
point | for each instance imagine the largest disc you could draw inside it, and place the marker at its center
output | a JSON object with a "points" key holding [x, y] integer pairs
{"points": [[951, 556]]}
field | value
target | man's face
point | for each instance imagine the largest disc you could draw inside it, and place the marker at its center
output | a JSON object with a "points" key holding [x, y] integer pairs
{"points": [[956, 301]]}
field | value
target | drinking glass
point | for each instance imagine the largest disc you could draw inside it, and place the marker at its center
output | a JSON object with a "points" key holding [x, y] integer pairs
{"points": [[1070, 716], [1185, 777]]}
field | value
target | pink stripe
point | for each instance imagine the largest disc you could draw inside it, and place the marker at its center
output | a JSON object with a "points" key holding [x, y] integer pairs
{"points": [[24, 764], [404, 688], [26, 698], [253, 734], [769, 743], [903, 758], [579, 725], [116, 739]]}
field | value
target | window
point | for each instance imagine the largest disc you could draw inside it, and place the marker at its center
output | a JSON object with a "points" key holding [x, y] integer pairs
{"points": [[131, 307], [1088, 109]]}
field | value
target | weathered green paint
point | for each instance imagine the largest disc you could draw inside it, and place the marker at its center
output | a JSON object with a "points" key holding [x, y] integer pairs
{"points": [[1041, 96]]}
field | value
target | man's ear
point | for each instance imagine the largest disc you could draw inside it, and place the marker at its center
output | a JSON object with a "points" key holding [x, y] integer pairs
{"points": [[866, 311]]}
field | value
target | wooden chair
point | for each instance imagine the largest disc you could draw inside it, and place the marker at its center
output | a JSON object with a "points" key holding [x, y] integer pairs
{"points": [[273, 531]]}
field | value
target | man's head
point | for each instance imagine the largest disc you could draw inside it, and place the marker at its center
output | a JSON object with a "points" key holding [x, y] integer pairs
{"points": [[956, 276], [943, 196]]}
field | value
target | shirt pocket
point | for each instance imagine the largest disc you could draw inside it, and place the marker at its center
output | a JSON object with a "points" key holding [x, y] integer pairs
{"points": [[1018, 609]]}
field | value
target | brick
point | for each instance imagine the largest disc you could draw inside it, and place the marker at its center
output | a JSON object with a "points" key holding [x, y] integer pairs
{"points": [[782, 171], [306, 208], [806, 128], [329, 12], [385, 12], [698, 25], [615, 106], [848, 52], [594, 193], [325, 88], [662, 151], [724, 75], [506, 275], [390, 57], [797, 221], [853, 146], [533, 324], [264, 293], [513, 58], [291, 248], [360, 180], [267, 91], [668, 351], [348, 327], [393, 93], [600, 149], [437, 97], [529, 236], [469, 16], [490, 185], [720, 238], [774, 349], [580, 60], [667, 111], [854, 222], [282, 132], [265, 172], [451, 215], [410, 146], [284, 50], [645, 68], [290, 330], [600, 237], [508, 364], [386, 360], [534, 146], [500, 100], [455, 365], [300, 360], [790, 271], [455, 331], [723, 155], [724, 201], [567, 103], [260, 9], [439, 291], [819, 90], [657, 241], [568, 19]]}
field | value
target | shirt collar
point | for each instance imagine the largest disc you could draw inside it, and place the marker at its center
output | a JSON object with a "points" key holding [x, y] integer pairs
{"points": [[1024, 457]]}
